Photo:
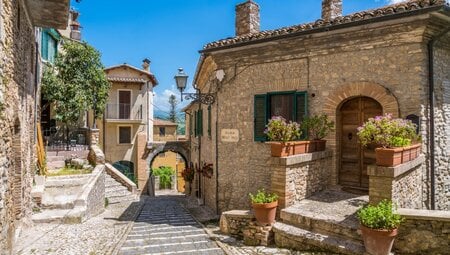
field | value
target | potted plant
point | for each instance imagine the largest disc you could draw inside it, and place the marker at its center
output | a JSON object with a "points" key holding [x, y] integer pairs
{"points": [[396, 139], [317, 128], [188, 175], [379, 226], [265, 206], [283, 135]]}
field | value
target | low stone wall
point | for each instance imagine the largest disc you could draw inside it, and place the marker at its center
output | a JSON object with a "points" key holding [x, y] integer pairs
{"points": [[297, 177], [401, 184], [423, 232], [122, 179], [94, 193]]}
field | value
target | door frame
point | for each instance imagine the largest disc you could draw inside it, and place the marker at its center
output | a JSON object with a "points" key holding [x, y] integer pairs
{"points": [[118, 101]]}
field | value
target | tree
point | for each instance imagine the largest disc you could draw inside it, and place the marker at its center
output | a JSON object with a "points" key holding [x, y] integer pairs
{"points": [[75, 83], [173, 104]]}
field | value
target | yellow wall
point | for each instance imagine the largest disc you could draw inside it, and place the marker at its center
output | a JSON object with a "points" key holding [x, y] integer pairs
{"points": [[171, 133], [170, 159]]}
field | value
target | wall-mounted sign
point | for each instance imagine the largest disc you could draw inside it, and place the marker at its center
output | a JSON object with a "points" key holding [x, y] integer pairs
{"points": [[229, 135]]}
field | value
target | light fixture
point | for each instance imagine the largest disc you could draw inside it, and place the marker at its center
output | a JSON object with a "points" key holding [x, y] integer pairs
{"points": [[181, 79]]}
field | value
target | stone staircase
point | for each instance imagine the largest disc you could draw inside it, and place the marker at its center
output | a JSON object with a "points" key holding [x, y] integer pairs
{"points": [[324, 222], [55, 159], [116, 191]]}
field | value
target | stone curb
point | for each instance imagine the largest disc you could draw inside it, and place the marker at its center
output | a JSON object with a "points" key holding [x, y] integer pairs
{"points": [[114, 250]]}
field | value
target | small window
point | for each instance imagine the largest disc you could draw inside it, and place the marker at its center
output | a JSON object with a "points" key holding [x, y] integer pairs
{"points": [[49, 46], [124, 135], [162, 131]]}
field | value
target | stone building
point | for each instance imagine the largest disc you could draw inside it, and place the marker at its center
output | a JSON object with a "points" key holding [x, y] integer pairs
{"points": [[127, 125], [394, 59], [19, 85]]}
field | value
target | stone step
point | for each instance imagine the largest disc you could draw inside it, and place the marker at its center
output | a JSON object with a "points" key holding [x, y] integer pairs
{"points": [[57, 205], [114, 200], [64, 216], [322, 224], [291, 237], [79, 153], [54, 165], [118, 193], [115, 188], [55, 158]]}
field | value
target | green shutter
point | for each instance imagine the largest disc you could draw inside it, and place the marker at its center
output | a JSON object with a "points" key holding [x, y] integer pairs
{"points": [[191, 118], [301, 106], [200, 122], [195, 123], [260, 117], [44, 45], [209, 120]]}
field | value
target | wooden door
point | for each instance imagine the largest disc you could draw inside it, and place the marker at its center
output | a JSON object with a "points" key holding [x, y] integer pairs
{"points": [[354, 158], [124, 104]]}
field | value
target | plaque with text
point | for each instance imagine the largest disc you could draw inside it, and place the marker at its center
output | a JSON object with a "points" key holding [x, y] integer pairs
{"points": [[229, 135]]}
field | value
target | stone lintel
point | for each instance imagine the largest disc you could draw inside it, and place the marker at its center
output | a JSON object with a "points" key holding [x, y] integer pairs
{"points": [[245, 214], [300, 158], [393, 172], [425, 214]]}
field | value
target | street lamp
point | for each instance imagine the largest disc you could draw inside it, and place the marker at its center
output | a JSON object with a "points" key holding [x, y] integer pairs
{"points": [[181, 79]]}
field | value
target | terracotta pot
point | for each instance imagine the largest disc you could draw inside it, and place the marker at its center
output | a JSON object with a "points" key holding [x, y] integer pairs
{"points": [[265, 213], [320, 145], [378, 242], [397, 156], [285, 149]]}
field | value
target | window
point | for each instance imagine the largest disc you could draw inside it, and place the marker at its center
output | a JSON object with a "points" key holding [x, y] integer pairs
{"points": [[124, 135], [290, 105], [162, 131], [49, 45], [199, 123]]}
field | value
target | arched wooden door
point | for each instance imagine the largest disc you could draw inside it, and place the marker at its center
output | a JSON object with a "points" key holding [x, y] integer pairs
{"points": [[354, 158]]}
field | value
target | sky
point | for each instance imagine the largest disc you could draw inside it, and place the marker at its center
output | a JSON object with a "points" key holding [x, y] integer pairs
{"points": [[171, 32]]}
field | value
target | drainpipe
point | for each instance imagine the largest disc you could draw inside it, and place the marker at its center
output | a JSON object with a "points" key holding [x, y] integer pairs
{"points": [[432, 140], [217, 155]]}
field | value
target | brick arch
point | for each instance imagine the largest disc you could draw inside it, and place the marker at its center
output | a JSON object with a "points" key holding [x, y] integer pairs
{"points": [[369, 89]]}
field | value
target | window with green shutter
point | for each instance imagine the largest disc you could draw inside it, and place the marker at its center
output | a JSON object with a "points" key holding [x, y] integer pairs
{"points": [[200, 122], [291, 105], [195, 123]]}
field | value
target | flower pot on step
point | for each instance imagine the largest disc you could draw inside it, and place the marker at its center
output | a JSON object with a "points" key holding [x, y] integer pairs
{"points": [[396, 156], [285, 149], [265, 213], [378, 242]]}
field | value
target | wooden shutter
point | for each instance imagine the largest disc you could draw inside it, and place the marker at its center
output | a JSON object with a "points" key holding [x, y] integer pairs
{"points": [[200, 122], [44, 45], [260, 117], [209, 120], [301, 106], [195, 123]]}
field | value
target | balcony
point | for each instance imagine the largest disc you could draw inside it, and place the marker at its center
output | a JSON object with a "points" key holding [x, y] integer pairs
{"points": [[123, 113]]}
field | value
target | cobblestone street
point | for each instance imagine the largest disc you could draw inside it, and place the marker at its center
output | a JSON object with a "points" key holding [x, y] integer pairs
{"points": [[165, 227]]}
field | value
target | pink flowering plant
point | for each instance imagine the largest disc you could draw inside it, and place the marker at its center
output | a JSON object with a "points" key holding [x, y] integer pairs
{"points": [[280, 130], [387, 132]]}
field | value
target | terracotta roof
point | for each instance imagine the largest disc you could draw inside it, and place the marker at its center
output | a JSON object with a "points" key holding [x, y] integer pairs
{"points": [[152, 76], [407, 6], [159, 122], [127, 79]]}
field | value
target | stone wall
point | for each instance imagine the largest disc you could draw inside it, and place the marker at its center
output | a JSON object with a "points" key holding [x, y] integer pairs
{"points": [[401, 184], [95, 193], [423, 232], [442, 122], [17, 119], [297, 177]]}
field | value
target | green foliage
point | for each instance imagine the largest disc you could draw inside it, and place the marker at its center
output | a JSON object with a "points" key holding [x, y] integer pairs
{"points": [[76, 83], [317, 126], [381, 216], [70, 171], [263, 197], [165, 176], [387, 132], [173, 104], [280, 130]]}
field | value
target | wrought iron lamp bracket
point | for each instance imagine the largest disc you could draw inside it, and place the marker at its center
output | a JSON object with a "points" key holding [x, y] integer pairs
{"points": [[203, 98]]}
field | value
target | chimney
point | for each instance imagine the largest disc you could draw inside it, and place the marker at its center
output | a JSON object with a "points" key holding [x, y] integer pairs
{"points": [[75, 32], [146, 64], [331, 9], [247, 18]]}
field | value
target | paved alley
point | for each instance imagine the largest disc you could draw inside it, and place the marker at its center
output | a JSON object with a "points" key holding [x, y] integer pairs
{"points": [[165, 227]]}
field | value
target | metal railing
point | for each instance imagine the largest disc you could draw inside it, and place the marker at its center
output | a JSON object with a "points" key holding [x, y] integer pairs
{"points": [[58, 139], [123, 112]]}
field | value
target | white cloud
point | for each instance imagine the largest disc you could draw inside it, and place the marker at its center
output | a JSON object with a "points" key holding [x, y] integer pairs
{"points": [[161, 99], [395, 1]]}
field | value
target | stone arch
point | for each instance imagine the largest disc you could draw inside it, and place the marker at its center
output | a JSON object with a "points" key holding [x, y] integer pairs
{"points": [[176, 146], [368, 89]]}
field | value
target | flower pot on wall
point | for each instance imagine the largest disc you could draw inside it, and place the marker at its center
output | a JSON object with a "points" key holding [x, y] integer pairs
{"points": [[285, 149], [320, 145], [378, 242], [265, 213], [396, 156]]}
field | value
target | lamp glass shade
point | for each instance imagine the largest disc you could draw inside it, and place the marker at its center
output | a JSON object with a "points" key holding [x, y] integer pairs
{"points": [[181, 79]]}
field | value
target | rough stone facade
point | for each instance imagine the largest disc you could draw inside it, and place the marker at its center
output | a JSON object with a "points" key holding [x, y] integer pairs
{"points": [[401, 184], [17, 119], [95, 197], [298, 177], [331, 9], [247, 20], [387, 61]]}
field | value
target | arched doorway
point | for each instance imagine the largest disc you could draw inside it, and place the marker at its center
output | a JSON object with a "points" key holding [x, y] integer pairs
{"points": [[173, 160], [354, 159]]}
